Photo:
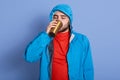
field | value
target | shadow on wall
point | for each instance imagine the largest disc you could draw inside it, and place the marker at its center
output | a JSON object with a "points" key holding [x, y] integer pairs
{"points": [[16, 66]]}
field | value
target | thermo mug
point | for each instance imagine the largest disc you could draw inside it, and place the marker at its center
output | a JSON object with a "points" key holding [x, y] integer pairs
{"points": [[55, 29]]}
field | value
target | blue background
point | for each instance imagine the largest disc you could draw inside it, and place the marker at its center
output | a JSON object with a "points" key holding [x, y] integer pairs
{"points": [[22, 20]]}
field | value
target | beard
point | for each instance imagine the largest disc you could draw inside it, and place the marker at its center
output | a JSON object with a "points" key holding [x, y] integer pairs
{"points": [[64, 29]]}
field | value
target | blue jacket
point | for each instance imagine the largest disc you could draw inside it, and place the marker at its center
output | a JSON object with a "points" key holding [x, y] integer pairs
{"points": [[80, 65]]}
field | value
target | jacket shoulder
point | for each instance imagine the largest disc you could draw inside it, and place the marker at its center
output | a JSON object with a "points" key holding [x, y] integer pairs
{"points": [[80, 36]]}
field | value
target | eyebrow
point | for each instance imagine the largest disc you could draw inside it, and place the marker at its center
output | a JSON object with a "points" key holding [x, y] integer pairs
{"points": [[60, 15], [54, 15]]}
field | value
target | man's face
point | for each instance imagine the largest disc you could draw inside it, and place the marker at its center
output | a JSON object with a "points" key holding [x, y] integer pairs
{"points": [[64, 19]]}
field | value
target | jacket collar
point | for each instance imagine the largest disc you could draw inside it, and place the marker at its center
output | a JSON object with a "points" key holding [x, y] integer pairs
{"points": [[72, 36]]}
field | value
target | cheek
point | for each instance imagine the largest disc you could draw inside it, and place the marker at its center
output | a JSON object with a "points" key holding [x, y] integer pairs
{"points": [[65, 23]]}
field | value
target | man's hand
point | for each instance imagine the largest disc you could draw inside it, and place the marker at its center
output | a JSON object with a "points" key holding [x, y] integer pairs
{"points": [[52, 24]]}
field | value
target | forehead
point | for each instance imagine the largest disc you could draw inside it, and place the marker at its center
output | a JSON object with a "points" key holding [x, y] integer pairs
{"points": [[59, 13]]}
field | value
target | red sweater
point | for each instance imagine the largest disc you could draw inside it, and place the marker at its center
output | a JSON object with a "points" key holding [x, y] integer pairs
{"points": [[59, 62]]}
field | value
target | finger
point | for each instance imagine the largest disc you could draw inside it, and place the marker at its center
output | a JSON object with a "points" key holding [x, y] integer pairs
{"points": [[53, 22]]}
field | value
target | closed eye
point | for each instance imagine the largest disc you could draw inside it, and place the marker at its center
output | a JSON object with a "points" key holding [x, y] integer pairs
{"points": [[63, 16], [55, 17]]}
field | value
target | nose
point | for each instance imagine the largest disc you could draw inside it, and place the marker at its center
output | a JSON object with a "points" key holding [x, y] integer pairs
{"points": [[58, 18]]}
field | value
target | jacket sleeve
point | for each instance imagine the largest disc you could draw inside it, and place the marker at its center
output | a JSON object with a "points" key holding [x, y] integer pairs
{"points": [[88, 63], [35, 48]]}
